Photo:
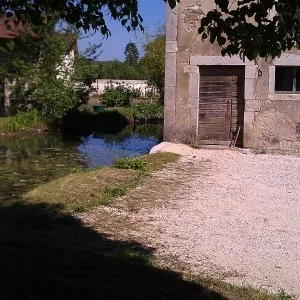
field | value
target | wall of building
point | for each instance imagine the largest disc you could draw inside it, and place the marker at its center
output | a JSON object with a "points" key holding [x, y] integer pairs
{"points": [[142, 85], [271, 120]]}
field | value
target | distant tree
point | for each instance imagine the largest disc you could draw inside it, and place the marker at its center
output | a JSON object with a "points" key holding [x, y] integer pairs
{"points": [[131, 54], [153, 63], [116, 69]]}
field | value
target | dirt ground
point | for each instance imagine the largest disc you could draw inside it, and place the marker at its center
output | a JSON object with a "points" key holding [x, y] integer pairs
{"points": [[225, 213]]}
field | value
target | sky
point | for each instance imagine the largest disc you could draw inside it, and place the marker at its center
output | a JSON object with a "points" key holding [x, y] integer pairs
{"points": [[153, 13]]}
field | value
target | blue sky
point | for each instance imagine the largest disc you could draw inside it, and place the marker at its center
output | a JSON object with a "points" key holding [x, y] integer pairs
{"points": [[153, 13]]}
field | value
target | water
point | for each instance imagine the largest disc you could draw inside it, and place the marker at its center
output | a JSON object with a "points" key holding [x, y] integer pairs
{"points": [[31, 160]]}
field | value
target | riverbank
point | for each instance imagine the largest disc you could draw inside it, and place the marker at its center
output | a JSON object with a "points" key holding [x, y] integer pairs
{"points": [[80, 191], [24, 123], [83, 122]]}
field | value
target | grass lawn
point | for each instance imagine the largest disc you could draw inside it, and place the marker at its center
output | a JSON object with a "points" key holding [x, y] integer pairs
{"points": [[48, 253], [83, 190], [20, 122]]}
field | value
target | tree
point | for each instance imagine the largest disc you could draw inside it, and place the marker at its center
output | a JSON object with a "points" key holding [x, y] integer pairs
{"points": [[253, 28], [250, 28], [45, 78], [85, 14], [153, 63], [131, 54]]}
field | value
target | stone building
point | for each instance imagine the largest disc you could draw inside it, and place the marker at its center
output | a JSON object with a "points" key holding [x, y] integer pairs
{"points": [[210, 99]]}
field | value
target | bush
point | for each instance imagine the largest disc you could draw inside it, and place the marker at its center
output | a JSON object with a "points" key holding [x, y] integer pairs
{"points": [[20, 121], [148, 111], [133, 163], [116, 96], [120, 95]]}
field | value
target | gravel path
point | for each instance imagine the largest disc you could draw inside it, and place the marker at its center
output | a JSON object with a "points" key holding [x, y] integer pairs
{"points": [[222, 212]]}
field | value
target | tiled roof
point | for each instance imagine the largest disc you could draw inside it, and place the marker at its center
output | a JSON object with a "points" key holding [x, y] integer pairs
{"points": [[11, 29]]}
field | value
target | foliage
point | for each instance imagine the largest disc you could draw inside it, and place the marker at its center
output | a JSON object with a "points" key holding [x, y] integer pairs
{"points": [[249, 28], [253, 28], [46, 83], [140, 112], [131, 163], [22, 121], [116, 69], [131, 54], [51, 80], [153, 63], [119, 95], [85, 74], [148, 111], [85, 14]]}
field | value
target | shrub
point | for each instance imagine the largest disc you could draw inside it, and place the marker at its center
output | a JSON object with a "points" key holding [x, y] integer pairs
{"points": [[133, 163], [20, 121], [148, 111], [119, 95], [116, 95]]}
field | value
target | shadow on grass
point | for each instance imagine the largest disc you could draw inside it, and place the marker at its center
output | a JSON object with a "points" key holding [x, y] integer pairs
{"points": [[45, 254]]}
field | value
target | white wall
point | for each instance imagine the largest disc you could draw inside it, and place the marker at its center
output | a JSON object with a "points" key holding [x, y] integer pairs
{"points": [[100, 84]]}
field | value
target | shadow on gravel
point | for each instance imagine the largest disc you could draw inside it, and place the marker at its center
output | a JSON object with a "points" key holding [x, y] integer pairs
{"points": [[46, 254]]}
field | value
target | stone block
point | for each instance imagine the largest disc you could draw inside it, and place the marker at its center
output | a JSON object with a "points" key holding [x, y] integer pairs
{"points": [[251, 72], [191, 69], [169, 115], [171, 33], [170, 61], [170, 78], [252, 105], [194, 103], [171, 18], [250, 85], [194, 85], [171, 46], [272, 79], [170, 95], [248, 120], [194, 117]]}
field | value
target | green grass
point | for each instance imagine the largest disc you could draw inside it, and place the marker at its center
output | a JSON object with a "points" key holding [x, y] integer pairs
{"points": [[83, 190], [20, 122], [239, 292]]}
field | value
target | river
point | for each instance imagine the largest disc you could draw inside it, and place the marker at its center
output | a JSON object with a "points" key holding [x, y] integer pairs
{"points": [[27, 161]]}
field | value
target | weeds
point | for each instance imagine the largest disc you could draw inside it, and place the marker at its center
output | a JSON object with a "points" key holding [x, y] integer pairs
{"points": [[148, 111], [19, 122], [131, 163]]}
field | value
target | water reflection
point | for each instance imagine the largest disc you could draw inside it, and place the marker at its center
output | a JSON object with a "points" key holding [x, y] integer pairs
{"points": [[103, 148], [31, 160]]}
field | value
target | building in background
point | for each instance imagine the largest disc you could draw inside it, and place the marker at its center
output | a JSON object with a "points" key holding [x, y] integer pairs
{"points": [[210, 99]]}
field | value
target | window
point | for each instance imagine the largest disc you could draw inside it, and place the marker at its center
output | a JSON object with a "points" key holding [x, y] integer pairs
{"points": [[287, 79]]}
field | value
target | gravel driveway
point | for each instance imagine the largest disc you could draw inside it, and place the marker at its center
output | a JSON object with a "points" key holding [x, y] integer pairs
{"points": [[225, 213]]}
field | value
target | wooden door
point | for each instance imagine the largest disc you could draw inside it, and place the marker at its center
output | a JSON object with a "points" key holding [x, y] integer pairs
{"points": [[221, 104]]}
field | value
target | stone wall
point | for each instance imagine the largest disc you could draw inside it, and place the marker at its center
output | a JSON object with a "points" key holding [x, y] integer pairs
{"points": [[271, 120]]}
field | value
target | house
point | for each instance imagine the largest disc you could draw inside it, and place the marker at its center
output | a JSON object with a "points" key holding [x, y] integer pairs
{"points": [[210, 99], [11, 30]]}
